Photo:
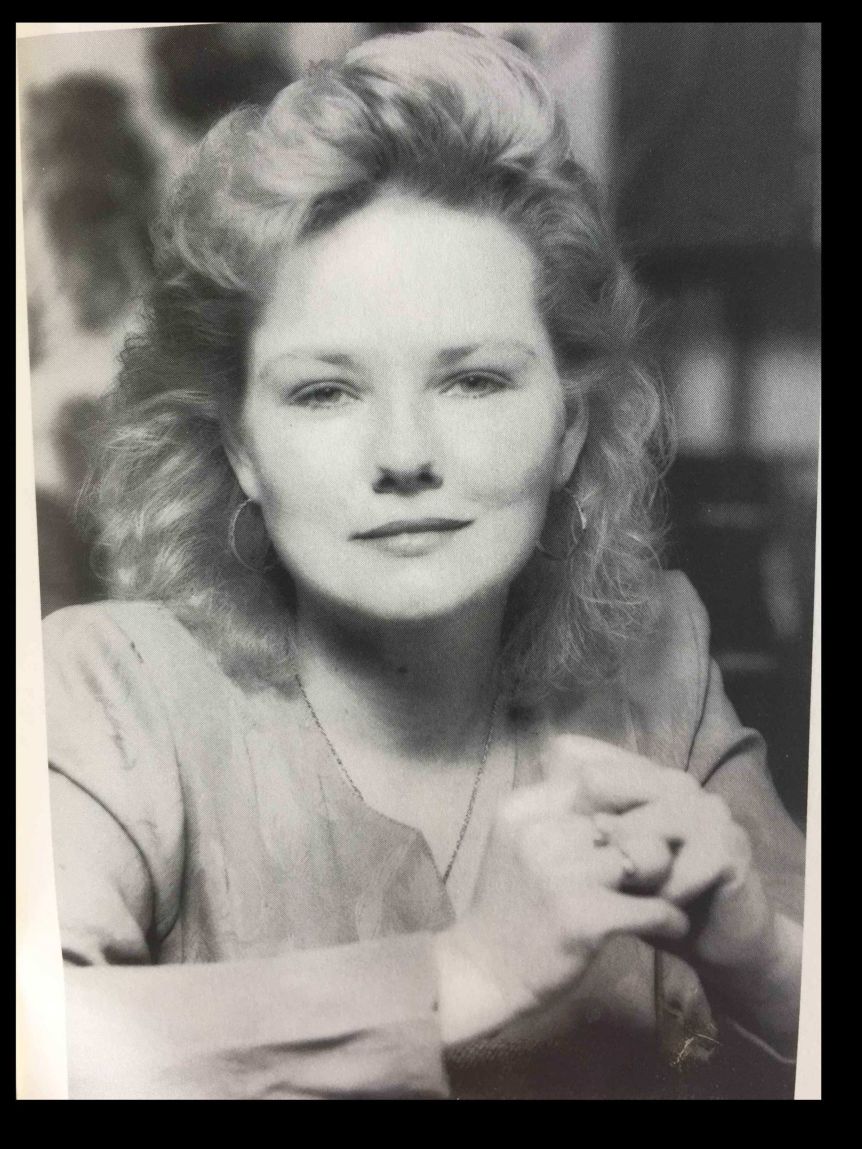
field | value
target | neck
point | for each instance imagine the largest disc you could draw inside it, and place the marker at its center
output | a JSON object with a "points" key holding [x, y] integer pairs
{"points": [[423, 690]]}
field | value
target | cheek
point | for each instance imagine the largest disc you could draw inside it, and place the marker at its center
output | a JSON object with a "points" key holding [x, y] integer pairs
{"points": [[516, 462], [299, 477]]}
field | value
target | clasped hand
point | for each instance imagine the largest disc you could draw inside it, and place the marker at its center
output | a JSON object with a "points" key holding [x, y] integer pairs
{"points": [[609, 843]]}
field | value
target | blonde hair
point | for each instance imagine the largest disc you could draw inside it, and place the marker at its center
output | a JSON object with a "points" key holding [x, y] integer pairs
{"points": [[459, 119]]}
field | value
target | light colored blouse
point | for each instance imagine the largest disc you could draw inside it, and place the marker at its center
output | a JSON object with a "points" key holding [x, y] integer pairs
{"points": [[238, 924]]}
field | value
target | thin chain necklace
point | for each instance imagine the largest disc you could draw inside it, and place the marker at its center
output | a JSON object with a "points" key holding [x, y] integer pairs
{"points": [[482, 762]]}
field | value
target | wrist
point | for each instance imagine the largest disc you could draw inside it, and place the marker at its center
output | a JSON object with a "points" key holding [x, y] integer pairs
{"points": [[470, 1002], [762, 993]]}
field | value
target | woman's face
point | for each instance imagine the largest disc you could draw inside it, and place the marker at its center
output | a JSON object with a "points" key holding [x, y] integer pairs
{"points": [[404, 423]]}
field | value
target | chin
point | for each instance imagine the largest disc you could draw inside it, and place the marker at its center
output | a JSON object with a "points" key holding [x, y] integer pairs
{"points": [[412, 592], [416, 605]]}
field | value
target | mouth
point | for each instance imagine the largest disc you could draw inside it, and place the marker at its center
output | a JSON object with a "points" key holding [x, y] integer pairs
{"points": [[413, 527]]}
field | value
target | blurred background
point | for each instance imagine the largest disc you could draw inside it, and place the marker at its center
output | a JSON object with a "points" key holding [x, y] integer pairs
{"points": [[707, 137]]}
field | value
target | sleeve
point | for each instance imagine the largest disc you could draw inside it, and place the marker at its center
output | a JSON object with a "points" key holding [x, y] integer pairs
{"points": [[730, 760], [349, 1021]]}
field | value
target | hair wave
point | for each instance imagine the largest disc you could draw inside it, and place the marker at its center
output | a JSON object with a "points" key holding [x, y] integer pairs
{"points": [[462, 120]]}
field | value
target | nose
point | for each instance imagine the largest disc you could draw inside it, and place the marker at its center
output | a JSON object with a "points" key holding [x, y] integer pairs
{"points": [[422, 478], [404, 461]]}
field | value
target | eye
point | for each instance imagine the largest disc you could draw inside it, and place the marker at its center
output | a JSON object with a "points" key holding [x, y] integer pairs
{"points": [[322, 395], [475, 384]]}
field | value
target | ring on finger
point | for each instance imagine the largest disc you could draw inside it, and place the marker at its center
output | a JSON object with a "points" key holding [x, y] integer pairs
{"points": [[603, 836], [629, 867]]}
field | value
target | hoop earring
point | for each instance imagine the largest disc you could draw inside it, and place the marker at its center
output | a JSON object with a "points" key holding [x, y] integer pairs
{"points": [[581, 516], [543, 550], [231, 540]]}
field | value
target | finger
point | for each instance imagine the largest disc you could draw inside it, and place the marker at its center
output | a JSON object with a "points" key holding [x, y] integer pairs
{"points": [[709, 848], [608, 777], [609, 786], [568, 756], [546, 800], [677, 817], [540, 802], [697, 868], [651, 860], [600, 913], [566, 853], [703, 864]]}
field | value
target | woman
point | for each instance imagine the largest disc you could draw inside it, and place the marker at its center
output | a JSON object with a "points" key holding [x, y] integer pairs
{"points": [[395, 768]]}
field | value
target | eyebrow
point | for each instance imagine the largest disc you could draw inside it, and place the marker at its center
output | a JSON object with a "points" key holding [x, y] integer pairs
{"points": [[445, 357], [453, 354]]}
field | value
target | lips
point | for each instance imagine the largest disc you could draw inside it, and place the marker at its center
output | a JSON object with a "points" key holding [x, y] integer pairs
{"points": [[413, 527]]}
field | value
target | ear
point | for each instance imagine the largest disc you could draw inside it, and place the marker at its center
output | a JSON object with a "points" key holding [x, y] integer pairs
{"points": [[240, 461], [571, 445]]}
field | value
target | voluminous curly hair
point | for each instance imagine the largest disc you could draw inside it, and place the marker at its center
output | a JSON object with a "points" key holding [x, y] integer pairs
{"points": [[458, 119]]}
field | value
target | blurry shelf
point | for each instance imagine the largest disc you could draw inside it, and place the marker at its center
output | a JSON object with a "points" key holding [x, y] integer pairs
{"points": [[731, 516], [748, 662]]}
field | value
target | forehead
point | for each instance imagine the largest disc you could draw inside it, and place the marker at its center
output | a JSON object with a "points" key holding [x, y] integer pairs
{"points": [[406, 272]]}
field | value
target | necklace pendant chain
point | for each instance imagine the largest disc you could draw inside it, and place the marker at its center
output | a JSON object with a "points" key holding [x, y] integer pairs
{"points": [[332, 749], [482, 762], [480, 771]]}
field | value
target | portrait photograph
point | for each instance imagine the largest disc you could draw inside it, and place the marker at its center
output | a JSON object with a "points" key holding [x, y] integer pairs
{"points": [[418, 561]]}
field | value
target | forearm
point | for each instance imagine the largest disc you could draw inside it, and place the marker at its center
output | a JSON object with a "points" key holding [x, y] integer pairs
{"points": [[470, 1004], [764, 996], [350, 1021]]}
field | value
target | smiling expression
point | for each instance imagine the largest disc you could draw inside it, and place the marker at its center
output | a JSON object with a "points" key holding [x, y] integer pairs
{"points": [[404, 423]]}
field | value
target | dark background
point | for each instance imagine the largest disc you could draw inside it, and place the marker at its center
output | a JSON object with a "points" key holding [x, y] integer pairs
{"points": [[716, 177], [707, 136]]}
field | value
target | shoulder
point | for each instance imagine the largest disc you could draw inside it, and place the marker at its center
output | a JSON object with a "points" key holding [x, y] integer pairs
{"points": [[666, 674], [126, 683], [102, 620], [654, 704], [127, 652], [676, 642], [112, 746], [114, 629]]}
